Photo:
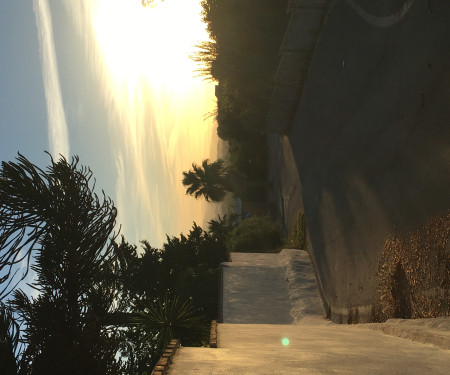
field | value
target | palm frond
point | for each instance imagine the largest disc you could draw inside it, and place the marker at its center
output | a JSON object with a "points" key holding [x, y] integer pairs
{"points": [[207, 180], [39, 208], [169, 318]]}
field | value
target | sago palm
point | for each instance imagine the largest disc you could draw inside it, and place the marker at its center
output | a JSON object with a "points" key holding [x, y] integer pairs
{"points": [[169, 318]]}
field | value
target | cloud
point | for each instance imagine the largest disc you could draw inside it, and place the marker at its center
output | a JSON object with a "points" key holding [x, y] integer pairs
{"points": [[57, 125], [155, 127]]}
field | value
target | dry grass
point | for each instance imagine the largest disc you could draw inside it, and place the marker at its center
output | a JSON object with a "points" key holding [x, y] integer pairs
{"points": [[297, 239], [414, 273]]}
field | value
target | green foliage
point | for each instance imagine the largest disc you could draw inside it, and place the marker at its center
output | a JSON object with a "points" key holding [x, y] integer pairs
{"points": [[61, 340], [207, 180], [97, 298], [249, 157], [297, 239], [414, 273], [222, 227], [212, 180], [185, 269], [230, 114], [56, 216], [9, 341], [191, 264], [241, 57], [171, 318], [243, 53], [257, 234], [246, 33], [51, 209]]}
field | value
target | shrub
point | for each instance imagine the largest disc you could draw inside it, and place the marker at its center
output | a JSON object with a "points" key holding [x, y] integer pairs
{"points": [[414, 273], [257, 234]]}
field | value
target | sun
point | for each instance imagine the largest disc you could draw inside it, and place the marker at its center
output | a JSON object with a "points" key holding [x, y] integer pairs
{"points": [[152, 42]]}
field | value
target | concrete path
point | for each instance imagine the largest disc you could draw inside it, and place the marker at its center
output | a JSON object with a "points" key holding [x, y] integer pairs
{"points": [[255, 290], [280, 288], [316, 347]]}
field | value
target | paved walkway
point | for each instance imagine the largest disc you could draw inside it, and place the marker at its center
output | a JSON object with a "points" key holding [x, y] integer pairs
{"points": [[280, 289], [249, 281], [318, 347]]}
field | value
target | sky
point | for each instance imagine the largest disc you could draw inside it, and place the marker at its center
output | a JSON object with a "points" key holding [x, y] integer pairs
{"points": [[111, 82]]}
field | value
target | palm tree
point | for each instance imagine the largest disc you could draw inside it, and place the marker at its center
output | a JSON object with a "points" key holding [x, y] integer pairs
{"points": [[213, 180], [210, 180]]}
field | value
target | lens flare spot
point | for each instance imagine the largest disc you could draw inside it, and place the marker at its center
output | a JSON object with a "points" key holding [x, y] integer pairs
{"points": [[285, 341]]}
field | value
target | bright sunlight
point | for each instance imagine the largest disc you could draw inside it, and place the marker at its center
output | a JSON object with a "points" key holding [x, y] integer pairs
{"points": [[156, 108], [149, 42]]}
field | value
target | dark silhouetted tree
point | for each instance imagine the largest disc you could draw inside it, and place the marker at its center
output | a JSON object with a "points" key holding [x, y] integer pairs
{"points": [[55, 216], [208, 180], [212, 180], [9, 341]]}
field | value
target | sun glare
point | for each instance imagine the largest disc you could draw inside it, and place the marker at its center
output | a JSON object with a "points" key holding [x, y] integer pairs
{"points": [[149, 42], [155, 106]]}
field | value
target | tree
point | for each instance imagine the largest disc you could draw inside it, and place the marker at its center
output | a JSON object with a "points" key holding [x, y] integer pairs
{"points": [[50, 209], [212, 180], [169, 293], [191, 264], [96, 298], [222, 227], [9, 341], [55, 216]]}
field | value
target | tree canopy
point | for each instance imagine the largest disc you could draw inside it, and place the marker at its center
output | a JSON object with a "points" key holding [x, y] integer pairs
{"points": [[101, 306], [241, 57], [55, 215], [53, 209], [208, 180], [213, 180]]}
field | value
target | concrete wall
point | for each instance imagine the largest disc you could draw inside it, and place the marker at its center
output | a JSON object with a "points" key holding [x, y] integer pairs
{"points": [[371, 137], [306, 18]]}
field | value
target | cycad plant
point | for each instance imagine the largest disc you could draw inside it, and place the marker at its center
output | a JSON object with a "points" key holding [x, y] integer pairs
{"points": [[168, 318]]}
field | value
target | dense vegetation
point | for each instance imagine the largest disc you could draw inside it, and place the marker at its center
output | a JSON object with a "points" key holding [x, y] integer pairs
{"points": [[256, 234], [100, 306], [241, 57]]}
